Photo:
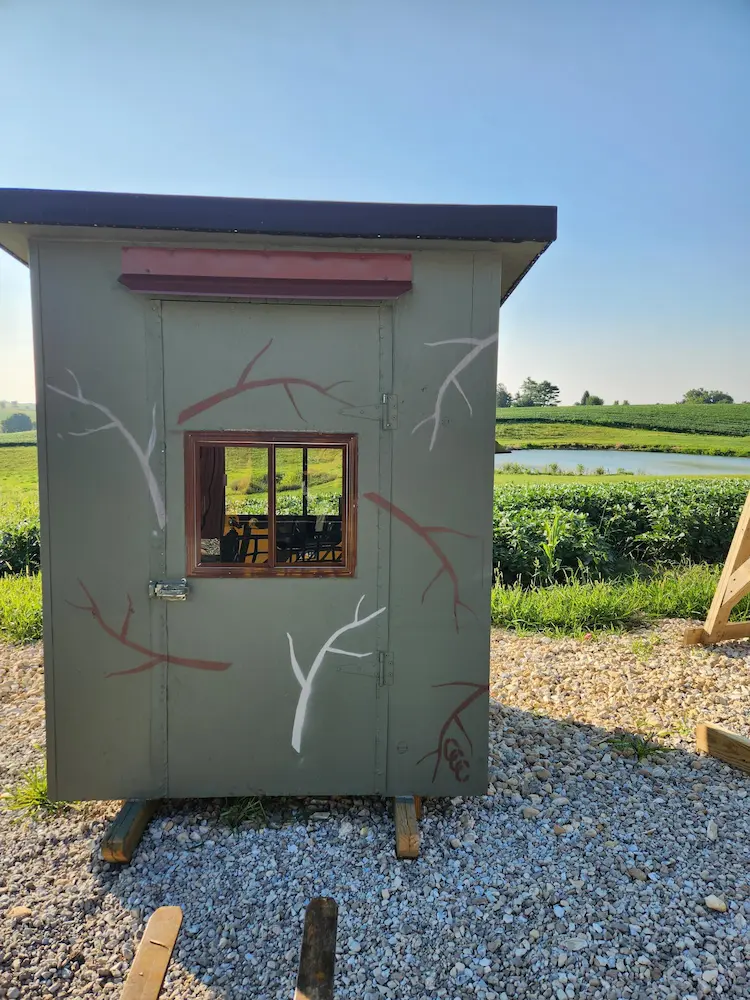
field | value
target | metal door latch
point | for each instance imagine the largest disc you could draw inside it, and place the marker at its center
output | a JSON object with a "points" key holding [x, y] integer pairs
{"points": [[168, 590]]}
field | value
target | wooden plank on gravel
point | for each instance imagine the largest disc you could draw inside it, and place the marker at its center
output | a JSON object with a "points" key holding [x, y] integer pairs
{"points": [[407, 830], [728, 747], [151, 960], [318, 954], [125, 832], [732, 630]]}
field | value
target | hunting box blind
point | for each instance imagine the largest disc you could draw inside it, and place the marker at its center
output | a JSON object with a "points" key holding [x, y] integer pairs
{"points": [[266, 439]]}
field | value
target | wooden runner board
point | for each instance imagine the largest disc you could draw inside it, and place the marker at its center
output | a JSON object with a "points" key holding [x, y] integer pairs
{"points": [[728, 747], [407, 830], [151, 960], [318, 954], [125, 832]]}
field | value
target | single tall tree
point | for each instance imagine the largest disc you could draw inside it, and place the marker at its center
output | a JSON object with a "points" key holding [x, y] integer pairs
{"points": [[16, 422], [502, 397]]}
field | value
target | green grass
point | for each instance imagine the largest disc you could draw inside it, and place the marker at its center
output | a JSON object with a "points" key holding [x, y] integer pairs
{"points": [[19, 482], [732, 419], [20, 609], [636, 745], [30, 798], [521, 434], [573, 478], [553, 470], [248, 809], [578, 608]]}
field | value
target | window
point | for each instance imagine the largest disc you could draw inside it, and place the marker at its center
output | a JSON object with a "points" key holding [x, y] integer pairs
{"points": [[270, 504]]}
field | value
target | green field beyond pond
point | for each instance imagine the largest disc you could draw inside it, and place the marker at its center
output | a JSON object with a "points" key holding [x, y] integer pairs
{"points": [[731, 419], [572, 554], [707, 429]]}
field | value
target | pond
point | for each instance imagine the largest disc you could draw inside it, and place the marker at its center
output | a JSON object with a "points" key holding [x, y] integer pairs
{"points": [[650, 463]]}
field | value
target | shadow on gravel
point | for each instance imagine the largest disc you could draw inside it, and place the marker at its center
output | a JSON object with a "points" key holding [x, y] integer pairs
{"points": [[583, 873]]}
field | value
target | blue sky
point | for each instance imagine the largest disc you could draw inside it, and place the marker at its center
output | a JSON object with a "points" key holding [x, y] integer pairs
{"points": [[631, 117]]}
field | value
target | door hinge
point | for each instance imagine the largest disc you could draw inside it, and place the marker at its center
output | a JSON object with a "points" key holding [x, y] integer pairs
{"points": [[363, 669], [168, 590], [386, 411], [389, 419], [385, 663]]}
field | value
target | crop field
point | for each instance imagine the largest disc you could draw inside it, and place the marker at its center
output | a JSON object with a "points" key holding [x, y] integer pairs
{"points": [[17, 438], [519, 434], [732, 419]]}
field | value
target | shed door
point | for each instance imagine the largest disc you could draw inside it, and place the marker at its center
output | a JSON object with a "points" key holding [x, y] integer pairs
{"points": [[278, 672]]}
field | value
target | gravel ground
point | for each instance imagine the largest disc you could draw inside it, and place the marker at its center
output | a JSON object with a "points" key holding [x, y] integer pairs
{"points": [[581, 874]]}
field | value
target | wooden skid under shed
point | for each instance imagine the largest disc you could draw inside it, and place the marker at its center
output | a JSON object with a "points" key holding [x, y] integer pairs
{"points": [[125, 832], [407, 830]]}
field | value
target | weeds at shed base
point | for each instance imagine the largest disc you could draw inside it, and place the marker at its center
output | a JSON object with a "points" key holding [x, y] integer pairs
{"points": [[30, 799]]}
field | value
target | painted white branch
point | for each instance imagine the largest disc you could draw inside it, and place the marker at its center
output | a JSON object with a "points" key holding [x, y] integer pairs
{"points": [[306, 683], [295, 664], [142, 456], [93, 430], [477, 346], [466, 398]]}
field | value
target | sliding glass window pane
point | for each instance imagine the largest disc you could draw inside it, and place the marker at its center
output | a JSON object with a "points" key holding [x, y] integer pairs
{"points": [[234, 493], [309, 492]]}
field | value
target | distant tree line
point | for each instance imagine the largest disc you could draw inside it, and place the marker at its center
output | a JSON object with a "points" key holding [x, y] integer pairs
{"points": [[531, 393], [545, 393], [706, 396]]}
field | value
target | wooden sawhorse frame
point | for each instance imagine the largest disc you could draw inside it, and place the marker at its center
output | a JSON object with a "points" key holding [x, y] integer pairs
{"points": [[733, 585]]}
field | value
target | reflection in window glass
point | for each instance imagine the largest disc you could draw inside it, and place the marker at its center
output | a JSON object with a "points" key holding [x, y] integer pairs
{"points": [[308, 505], [234, 504], [279, 507]]}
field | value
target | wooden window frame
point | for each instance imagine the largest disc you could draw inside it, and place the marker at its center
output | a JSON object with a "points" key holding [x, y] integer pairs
{"points": [[267, 439]]}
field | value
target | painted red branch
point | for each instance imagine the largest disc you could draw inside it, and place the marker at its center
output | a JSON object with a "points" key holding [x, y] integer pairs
{"points": [[455, 717], [242, 385], [128, 615], [152, 656], [425, 533]]}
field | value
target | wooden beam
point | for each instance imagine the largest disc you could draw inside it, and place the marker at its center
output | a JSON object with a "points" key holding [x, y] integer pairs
{"points": [[151, 960], [731, 630], [407, 830], [739, 583], [720, 743], [739, 552], [318, 954], [125, 832]]}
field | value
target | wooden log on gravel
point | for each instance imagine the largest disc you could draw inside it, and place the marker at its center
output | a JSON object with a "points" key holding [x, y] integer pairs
{"points": [[318, 954], [150, 964]]}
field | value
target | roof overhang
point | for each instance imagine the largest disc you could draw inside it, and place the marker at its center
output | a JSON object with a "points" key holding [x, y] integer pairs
{"points": [[522, 232]]}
